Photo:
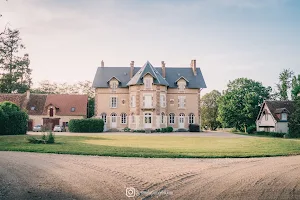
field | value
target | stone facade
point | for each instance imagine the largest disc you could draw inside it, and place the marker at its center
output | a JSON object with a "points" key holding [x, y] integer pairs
{"points": [[147, 105]]}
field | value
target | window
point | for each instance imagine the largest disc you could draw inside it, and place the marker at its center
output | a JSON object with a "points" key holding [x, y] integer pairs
{"points": [[163, 100], [172, 118], [113, 102], [147, 101], [51, 112], [113, 118], [181, 102], [132, 101], [181, 87], [132, 118], [148, 83], [73, 109], [114, 85], [162, 117], [103, 117], [123, 118], [191, 118], [32, 108], [284, 116]]}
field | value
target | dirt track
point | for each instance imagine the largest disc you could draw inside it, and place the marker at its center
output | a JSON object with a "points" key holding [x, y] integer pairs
{"points": [[50, 176]]}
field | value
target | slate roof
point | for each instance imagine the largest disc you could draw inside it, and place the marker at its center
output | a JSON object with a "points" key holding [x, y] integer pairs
{"points": [[172, 74], [137, 79], [276, 106]]}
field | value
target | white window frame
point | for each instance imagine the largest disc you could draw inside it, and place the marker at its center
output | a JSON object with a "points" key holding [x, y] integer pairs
{"points": [[132, 101], [114, 85], [112, 103], [181, 87], [144, 100], [123, 118], [171, 118], [181, 102], [163, 100], [191, 118]]}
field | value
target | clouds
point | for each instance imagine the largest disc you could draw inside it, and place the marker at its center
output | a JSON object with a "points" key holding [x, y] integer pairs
{"points": [[229, 38]]}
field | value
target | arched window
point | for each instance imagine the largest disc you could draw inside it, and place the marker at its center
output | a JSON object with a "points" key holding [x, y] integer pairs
{"points": [[103, 117], [162, 117], [123, 118], [171, 118], [191, 118]]}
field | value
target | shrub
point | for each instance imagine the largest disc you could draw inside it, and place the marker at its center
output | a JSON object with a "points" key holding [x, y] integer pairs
{"points": [[13, 120], [251, 129], [271, 134], [194, 128], [126, 129], [294, 120], [169, 129], [90, 125], [46, 139], [157, 130]]}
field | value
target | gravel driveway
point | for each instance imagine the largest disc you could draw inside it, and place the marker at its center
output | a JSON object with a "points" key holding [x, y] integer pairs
{"points": [[51, 176]]}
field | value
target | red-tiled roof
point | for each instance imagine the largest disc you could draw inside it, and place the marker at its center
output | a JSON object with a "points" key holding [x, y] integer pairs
{"points": [[37, 103], [17, 99], [65, 103]]}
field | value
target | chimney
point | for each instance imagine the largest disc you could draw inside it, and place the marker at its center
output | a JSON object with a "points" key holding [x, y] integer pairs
{"points": [[194, 68], [163, 69], [27, 94], [131, 68], [102, 63]]}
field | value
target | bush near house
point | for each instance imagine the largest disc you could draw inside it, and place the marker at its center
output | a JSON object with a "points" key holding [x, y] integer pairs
{"points": [[194, 128], [13, 121], [251, 129], [90, 125], [294, 121], [271, 134]]}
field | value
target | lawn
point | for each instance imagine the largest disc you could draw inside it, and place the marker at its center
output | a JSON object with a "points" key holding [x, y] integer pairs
{"points": [[157, 146]]}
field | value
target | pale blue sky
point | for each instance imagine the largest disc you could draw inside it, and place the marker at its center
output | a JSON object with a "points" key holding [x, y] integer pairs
{"points": [[67, 39]]}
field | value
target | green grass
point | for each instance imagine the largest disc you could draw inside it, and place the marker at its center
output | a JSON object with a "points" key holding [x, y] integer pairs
{"points": [[157, 146]]}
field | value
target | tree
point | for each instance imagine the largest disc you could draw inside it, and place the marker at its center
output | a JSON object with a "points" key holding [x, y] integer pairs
{"points": [[13, 120], [285, 79], [295, 86], [15, 74], [240, 103], [209, 109], [294, 120]]}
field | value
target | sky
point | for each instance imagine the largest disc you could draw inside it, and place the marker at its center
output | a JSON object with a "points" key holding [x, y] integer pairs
{"points": [[67, 39]]}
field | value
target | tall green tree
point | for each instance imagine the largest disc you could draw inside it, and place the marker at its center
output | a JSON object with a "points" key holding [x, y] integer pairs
{"points": [[295, 86], [15, 74], [209, 109], [240, 103], [284, 85], [294, 120]]}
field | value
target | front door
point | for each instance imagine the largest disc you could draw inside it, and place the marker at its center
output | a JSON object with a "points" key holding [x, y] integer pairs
{"points": [[113, 120], [148, 121], [181, 121]]}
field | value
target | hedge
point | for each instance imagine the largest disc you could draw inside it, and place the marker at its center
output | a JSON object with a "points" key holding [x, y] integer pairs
{"points": [[271, 134], [86, 125], [13, 121], [251, 129], [194, 128]]}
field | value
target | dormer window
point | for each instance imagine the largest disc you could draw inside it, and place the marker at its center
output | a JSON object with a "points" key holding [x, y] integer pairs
{"points": [[148, 83], [114, 85], [73, 109], [181, 86], [283, 116]]}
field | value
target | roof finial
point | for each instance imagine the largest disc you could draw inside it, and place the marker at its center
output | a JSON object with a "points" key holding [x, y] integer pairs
{"points": [[102, 63]]}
